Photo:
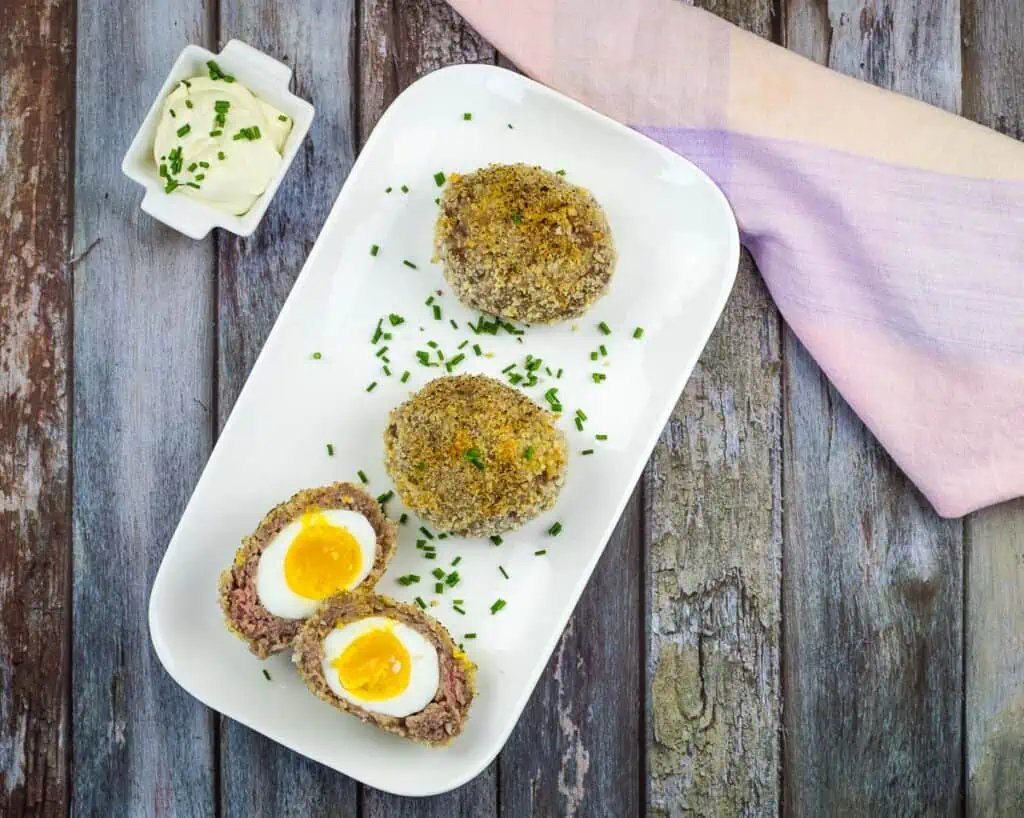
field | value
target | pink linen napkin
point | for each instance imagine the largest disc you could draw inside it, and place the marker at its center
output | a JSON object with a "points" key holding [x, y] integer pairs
{"points": [[890, 233]]}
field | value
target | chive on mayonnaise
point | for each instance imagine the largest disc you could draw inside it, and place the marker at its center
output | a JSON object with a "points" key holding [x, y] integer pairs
{"points": [[223, 143]]}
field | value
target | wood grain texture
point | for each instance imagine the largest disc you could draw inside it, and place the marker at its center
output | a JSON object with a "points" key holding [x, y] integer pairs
{"points": [[142, 428], [576, 749], [36, 121], [872, 603], [714, 535], [993, 35], [400, 41], [258, 776]]}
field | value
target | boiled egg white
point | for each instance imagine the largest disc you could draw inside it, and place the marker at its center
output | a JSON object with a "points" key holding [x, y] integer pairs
{"points": [[313, 557], [381, 665]]}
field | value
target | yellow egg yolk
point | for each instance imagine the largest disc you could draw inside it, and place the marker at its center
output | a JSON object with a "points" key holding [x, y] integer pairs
{"points": [[322, 559], [374, 666]]}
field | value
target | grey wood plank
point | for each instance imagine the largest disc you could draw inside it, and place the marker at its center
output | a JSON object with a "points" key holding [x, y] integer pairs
{"points": [[36, 97], [713, 572], [873, 581], [577, 749], [316, 38], [994, 618], [400, 41], [142, 431]]}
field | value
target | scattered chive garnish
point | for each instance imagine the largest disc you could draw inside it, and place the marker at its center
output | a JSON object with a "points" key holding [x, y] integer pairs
{"points": [[452, 579], [362, 476], [387, 190], [514, 379], [579, 424], [405, 376], [192, 184], [316, 356], [432, 344], [511, 127], [497, 606], [587, 451], [508, 369], [395, 320], [560, 172], [282, 118], [496, 539], [216, 132], [438, 587], [559, 374], [463, 345], [477, 350], [439, 178], [603, 349], [216, 73], [405, 189], [437, 312], [385, 497], [188, 104], [170, 186], [593, 356], [220, 155], [605, 329], [457, 609], [598, 377], [469, 636], [456, 561], [266, 674], [371, 387], [528, 453], [638, 333], [378, 332], [408, 579], [403, 519], [173, 114], [408, 263], [442, 536], [555, 530], [184, 129], [374, 249], [426, 533], [330, 450], [421, 603], [540, 553], [438, 573], [504, 573], [382, 351], [429, 555], [475, 457], [192, 168], [200, 177], [467, 116], [600, 437], [517, 217], [387, 371], [454, 325]]}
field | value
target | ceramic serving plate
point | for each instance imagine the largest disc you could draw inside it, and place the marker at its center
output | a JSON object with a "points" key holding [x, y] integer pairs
{"points": [[678, 252]]}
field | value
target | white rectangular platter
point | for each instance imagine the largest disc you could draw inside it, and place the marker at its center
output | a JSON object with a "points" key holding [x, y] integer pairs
{"points": [[678, 253]]}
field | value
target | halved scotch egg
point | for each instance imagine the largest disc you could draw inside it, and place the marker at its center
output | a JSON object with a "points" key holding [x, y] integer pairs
{"points": [[387, 663], [321, 541]]}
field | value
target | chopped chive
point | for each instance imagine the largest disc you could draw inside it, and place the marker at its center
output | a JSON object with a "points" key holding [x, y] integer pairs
{"points": [[421, 603], [475, 457], [421, 466], [598, 377], [184, 129], [192, 184], [173, 114], [188, 104], [452, 579], [555, 530], [514, 378], [374, 249], [330, 450], [454, 325], [429, 555], [405, 376], [163, 171], [440, 355], [432, 344], [456, 561], [420, 543], [457, 609], [266, 674], [438, 573], [220, 155], [467, 116], [540, 553], [638, 333], [504, 573], [282, 118], [371, 387], [387, 190], [603, 349], [517, 217], [587, 451], [560, 172], [382, 351], [463, 345], [378, 332], [408, 263], [548, 370], [429, 301], [528, 453], [497, 606], [405, 189], [593, 355], [395, 320], [200, 177], [442, 536], [438, 587], [477, 350], [385, 497], [424, 357], [458, 602], [439, 178], [192, 168], [581, 414], [426, 533], [496, 539], [437, 201], [216, 73], [170, 186], [469, 636], [579, 424], [454, 362], [403, 519], [508, 369], [362, 476], [216, 132], [511, 127], [408, 579], [387, 371], [600, 437], [437, 312], [605, 329]]}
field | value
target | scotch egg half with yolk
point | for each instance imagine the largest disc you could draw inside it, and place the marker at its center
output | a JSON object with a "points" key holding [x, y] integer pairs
{"points": [[313, 557], [382, 666]]}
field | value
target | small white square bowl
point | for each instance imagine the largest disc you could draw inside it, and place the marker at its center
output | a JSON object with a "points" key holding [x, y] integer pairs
{"points": [[268, 79]]}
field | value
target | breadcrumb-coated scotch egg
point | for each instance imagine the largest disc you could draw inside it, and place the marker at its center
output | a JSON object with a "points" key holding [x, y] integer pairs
{"points": [[523, 243], [473, 456], [387, 663], [320, 542]]}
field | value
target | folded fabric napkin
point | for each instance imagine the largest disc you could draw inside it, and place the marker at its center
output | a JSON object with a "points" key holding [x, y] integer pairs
{"points": [[890, 233]]}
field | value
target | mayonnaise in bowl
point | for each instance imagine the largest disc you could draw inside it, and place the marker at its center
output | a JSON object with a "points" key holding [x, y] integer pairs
{"points": [[218, 143]]}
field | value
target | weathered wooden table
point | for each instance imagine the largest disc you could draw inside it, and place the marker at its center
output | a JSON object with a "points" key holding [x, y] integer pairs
{"points": [[780, 624]]}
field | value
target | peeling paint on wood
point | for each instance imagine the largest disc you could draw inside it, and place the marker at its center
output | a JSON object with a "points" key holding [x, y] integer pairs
{"points": [[714, 534], [143, 346], [872, 605], [259, 777], [993, 34], [36, 93]]}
